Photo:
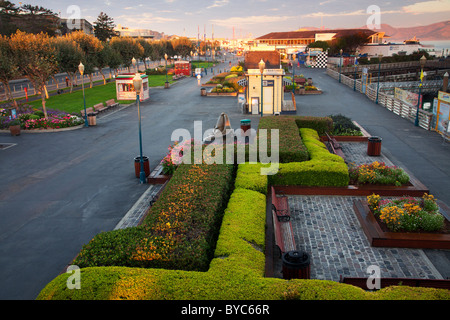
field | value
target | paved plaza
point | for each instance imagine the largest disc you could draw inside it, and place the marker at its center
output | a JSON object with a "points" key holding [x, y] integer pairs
{"points": [[326, 227]]}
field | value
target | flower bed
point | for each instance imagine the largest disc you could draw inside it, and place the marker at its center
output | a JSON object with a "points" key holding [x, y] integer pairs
{"points": [[408, 214], [378, 173], [33, 119], [178, 232], [379, 235]]}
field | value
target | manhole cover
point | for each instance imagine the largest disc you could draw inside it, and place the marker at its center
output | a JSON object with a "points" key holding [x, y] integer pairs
{"points": [[4, 146]]}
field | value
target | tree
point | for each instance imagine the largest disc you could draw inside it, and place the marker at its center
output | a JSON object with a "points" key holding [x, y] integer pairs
{"points": [[91, 47], [38, 59], [349, 43], [104, 27], [103, 59], [36, 19], [8, 66], [148, 50], [182, 46], [324, 45], [8, 16], [69, 55], [128, 48]]}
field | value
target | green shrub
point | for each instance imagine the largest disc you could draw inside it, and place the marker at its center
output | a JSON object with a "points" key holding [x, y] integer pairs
{"points": [[343, 125], [179, 231], [320, 124], [291, 148], [235, 273], [324, 168], [249, 176]]}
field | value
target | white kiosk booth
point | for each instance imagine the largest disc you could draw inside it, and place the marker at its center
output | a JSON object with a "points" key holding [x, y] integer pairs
{"points": [[125, 88]]}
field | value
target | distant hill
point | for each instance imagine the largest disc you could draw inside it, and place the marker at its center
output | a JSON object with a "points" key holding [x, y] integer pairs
{"points": [[435, 31]]}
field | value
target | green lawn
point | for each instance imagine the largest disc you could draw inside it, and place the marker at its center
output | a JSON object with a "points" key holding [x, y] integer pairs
{"points": [[73, 102]]}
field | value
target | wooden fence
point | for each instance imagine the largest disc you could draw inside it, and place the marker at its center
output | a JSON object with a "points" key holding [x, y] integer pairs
{"points": [[403, 109]]}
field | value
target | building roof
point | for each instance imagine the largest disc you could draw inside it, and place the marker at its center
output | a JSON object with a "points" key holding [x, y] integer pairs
{"points": [[310, 34], [271, 58]]}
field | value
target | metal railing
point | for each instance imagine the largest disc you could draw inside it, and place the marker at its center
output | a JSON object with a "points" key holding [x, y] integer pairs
{"points": [[403, 109]]}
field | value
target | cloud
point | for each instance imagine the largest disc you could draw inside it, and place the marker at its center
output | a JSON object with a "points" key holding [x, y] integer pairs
{"points": [[435, 6], [239, 21], [346, 14], [143, 20], [218, 3]]}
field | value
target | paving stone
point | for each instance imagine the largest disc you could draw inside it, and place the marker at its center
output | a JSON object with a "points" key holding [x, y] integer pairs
{"points": [[327, 228]]}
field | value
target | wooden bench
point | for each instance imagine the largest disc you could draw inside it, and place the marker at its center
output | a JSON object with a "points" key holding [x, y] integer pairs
{"points": [[284, 235], [99, 107], [88, 110], [334, 146], [111, 103]]}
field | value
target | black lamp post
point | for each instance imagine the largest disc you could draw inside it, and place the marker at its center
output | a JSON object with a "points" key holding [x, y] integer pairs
{"points": [[81, 70], [166, 85], [356, 66], [379, 71], [293, 73], [423, 60], [262, 65], [137, 83]]}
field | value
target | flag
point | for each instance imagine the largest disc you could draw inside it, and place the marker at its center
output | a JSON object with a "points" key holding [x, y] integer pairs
{"points": [[421, 77]]}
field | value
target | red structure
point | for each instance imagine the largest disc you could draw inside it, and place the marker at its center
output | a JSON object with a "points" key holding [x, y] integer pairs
{"points": [[182, 68]]}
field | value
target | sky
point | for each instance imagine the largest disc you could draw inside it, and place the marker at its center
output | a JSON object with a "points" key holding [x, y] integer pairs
{"points": [[251, 17]]}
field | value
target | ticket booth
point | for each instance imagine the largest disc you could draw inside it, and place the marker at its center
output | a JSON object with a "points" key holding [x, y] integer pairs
{"points": [[182, 68], [125, 88], [272, 91]]}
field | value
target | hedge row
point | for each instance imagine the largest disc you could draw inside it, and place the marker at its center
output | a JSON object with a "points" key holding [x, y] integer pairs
{"points": [[324, 168], [235, 273], [291, 148], [179, 231]]}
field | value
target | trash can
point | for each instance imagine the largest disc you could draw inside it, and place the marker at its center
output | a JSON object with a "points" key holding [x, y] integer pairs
{"points": [[137, 166], [203, 91], [296, 265], [92, 119], [374, 146], [245, 125]]}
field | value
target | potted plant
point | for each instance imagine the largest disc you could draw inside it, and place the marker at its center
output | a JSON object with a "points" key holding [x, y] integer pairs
{"points": [[14, 127]]}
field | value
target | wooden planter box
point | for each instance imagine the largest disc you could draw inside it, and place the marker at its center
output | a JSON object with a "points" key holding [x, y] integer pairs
{"points": [[414, 189], [313, 92], [221, 94], [379, 238], [156, 176]]}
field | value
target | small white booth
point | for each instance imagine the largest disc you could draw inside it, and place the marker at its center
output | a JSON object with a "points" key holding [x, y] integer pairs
{"points": [[125, 88]]}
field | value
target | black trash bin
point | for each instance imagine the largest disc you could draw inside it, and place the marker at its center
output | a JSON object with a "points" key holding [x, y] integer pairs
{"points": [[137, 166], [374, 146], [92, 119], [203, 91], [296, 265]]}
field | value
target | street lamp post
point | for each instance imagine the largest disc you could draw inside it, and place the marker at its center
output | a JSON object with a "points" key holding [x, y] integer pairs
{"points": [[137, 83], [293, 73], [262, 65], [340, 65], [133, 61], [423, 60], [356, 66], [379, 71], [81, 70], [166, 85]]}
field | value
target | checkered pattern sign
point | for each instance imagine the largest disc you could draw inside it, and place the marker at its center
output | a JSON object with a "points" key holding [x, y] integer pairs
{"points": [[321, 60]]}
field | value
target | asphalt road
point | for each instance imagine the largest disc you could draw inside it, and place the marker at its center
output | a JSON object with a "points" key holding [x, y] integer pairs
{"points": [[58, 190]]}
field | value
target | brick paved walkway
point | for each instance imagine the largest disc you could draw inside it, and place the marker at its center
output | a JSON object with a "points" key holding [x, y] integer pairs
{"points": [[327, 228]]}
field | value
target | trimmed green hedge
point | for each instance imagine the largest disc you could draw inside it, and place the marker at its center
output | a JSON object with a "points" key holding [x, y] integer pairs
{"points": [[324, 168], [235, 273], [179, 231], [291, 148], [320, 124], [249, 176]]}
